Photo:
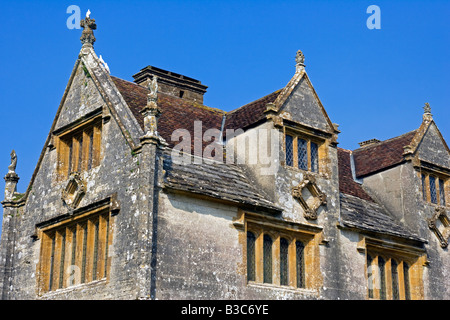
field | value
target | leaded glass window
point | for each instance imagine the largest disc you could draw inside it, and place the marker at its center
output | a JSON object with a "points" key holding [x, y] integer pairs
{"points": [[370, 275], [433, 194], [381, 269], [284, 262], [75, 251], [441, 192], [267, 257], [289, 150], [302, 153], [300, 263], [251, 270], [314, 157], [302, 149], [394, 273], [424, 187], [382, 278]]}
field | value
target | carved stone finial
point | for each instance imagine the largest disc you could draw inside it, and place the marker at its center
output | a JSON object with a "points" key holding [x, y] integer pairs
{"points": [[151, 111], [427, 112], [88, 25], [12, 166], [299, 61], [153, 87], [11, 178]]}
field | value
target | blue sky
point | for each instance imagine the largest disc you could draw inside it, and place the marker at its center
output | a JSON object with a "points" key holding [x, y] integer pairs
{"points": [[373, 83]]}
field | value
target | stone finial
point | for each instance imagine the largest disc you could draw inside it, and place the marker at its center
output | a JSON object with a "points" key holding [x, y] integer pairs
{"points": [[11, 178], [299, 61], [427, 112], [13, 165], [88, 25], [151, 111], [153, 87]]}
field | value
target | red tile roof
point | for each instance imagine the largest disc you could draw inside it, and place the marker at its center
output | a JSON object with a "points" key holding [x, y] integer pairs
{"points": [[381, 155], [347, 184], [250, 113], [176, 113]]}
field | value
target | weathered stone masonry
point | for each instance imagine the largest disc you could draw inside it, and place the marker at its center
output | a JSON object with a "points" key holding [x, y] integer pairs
{"points": [[110, 213]]}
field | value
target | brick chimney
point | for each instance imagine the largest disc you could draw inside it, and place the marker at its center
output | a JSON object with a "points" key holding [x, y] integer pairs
{"points": [[172, 83]]}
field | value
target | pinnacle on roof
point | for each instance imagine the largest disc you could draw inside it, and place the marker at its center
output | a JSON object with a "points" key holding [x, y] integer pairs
{"points": [[427, 112], [299, 61], [88, 25]]}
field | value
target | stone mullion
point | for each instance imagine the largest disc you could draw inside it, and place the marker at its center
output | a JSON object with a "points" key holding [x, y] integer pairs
{"points": [[401, 281], [388, 275], [292, 264], [276, 275], [68, 257], [101, 247], [259, 258], [56, 261]]}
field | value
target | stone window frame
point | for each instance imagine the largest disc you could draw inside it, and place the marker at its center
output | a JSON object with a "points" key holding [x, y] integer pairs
{"points": [[93, 230], [310, 136], [425, 188], [413, 257], [73, 159], [311, 237]]}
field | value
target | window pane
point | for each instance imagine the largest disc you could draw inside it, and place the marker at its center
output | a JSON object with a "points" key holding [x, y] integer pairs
{"points": [[267, 258], [80, 153], [83, 262], [433, 195], [61, 264], [289, 150], [406, 279], [300, 263], [302, 152], [381, 266], [394, 272], [52, 262], [370, 275], [314, 157], [424, 188], [284, 265], [70, 144], [91, 144], [251, 256], [441, 192], [94, 268]]}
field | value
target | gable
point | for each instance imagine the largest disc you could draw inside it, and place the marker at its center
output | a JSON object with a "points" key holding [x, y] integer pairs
{"points": [[82, 98], [303, 106], [432, 148]]}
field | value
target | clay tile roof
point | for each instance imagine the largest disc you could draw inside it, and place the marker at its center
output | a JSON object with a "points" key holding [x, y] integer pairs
{"points": [[347, 184], [381, 155], [250, 113], [176, 113]]}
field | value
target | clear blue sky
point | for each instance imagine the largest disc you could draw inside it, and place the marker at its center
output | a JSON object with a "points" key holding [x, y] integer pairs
{"points": [[371, 82]]}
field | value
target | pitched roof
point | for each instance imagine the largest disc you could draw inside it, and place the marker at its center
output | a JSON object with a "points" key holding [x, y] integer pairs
{"points": [[217, 180], [382, 155], [176, 113], [250, 113], [347, 184], [370, 216]]}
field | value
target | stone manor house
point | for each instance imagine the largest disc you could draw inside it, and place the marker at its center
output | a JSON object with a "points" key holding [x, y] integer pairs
{"points": [[132, 199]]}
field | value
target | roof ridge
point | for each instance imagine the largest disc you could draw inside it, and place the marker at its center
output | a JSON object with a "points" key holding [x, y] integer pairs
{"points": [[386, 141], [193, 103], [254, 101]]}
